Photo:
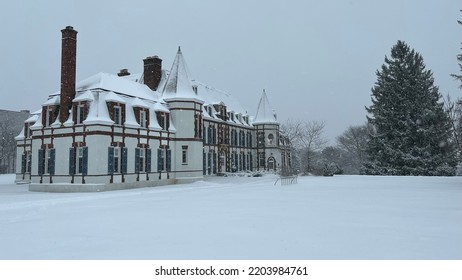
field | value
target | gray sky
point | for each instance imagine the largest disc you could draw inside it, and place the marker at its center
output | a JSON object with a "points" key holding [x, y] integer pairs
{"points": [[316, 59]]}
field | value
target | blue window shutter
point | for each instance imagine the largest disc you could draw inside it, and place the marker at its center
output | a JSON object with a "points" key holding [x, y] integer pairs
{"points": [[41, 162], [214, 162], [204, 161], [209, 162], [137, 160], [29, 162], [71, 161], [215, 135], [23, 163], [204, 140], [251, 162], [124, 160], [85, 161], [160, 161], [51, 162], [169, 160], [148, 160], [110, 160]]}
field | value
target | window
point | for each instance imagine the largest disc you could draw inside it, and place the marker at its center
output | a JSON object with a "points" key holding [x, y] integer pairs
{"points": [[78, 160], [142, 160], [270, 139], [26, 162], [164, 159], [27, 130], [163, 120], [117, 159], [260, 139], [80, 114], [184, 155], [143, 118], [49, 117], [261, 159], [117, 115], [46, 161], [197, 125]]}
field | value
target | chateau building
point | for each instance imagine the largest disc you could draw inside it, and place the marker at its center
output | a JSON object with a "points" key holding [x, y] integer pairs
{"points": [[159, 127]]}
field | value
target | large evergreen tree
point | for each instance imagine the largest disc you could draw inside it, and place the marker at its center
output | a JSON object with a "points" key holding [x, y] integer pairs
{"points": [[410, 129]]}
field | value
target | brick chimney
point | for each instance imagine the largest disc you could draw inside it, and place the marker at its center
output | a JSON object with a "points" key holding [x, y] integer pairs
{"points": [[68, 65], [152, 71]]}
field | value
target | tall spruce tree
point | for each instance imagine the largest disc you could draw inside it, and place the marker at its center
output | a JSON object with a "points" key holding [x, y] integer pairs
{"points": [[411, 131]]}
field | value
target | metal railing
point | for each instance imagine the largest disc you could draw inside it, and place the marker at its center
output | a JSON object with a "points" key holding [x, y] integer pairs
{"points": [[286, 180]]}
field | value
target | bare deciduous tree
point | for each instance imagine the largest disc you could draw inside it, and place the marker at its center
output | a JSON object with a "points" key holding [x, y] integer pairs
{"points": [[7, 146], [354, 143], [454, 111], [307, 138]]}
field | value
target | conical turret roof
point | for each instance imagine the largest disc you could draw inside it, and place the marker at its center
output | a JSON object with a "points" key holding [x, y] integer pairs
{"points": [[178, 85], [264, 112]]}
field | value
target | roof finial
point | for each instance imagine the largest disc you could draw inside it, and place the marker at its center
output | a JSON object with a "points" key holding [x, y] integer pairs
{"points": [[179, 49]]}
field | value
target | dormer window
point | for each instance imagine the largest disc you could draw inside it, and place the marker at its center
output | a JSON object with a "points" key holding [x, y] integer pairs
{"points": [[49, 115], [143, 119], [27, 130], [163, 119], [117, 112], [221, 111], [80, 112], [117, 115], [142, 116]]}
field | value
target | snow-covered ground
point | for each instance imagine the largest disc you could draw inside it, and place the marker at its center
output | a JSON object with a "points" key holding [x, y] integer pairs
{"points": [[341, 217]]}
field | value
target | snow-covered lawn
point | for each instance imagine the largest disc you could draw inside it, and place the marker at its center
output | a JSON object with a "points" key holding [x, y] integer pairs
{"points": [[341, 217]]}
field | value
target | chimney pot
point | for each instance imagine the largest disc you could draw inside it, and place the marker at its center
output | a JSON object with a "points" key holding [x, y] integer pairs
{"points": [[152, 71], [123, 72]]}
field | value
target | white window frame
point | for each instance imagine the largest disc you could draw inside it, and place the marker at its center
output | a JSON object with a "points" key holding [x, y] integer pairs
{"points": [[117, 115], [143, 117], [46, 164], [142, 160], [184, 155], [117, 160], [80, 113], [49, 115], [79, 160]]}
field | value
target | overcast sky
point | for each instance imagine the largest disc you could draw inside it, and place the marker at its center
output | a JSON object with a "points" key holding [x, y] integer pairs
{"points": [[316, 59]]}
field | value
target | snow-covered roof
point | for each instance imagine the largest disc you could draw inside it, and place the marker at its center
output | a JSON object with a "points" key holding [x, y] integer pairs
{"points": [[178, 83], [212, 96], [114, 83], [112, 97], [32, 119], [53, 100], [265, 115], [84, 96], [136, 102]]}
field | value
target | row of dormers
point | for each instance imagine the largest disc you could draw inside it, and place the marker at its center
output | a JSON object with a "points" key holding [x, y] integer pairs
{"points": [[219, 111], [102, 107]]}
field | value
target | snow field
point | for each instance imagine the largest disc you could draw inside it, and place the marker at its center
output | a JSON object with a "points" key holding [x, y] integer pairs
{"points": [[340, 217]]}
